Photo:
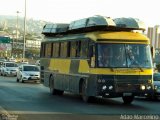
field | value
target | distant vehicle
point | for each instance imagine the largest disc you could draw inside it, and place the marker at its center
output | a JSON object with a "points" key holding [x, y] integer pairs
{"points": [[2, 59], [24, 62], [156, 82], [28, 72], [38, 62], [12, 60], [1, 65], [9, 68]]}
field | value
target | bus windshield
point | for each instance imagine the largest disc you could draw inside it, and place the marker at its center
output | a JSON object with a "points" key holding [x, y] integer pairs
{"points": [[124, 55]]}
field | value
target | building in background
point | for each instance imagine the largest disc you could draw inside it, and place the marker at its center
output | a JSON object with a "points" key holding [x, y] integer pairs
{"points": [[153, 34]]}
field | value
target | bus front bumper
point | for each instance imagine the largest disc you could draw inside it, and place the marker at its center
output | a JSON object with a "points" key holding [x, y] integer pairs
{"points": [[125, 90]]}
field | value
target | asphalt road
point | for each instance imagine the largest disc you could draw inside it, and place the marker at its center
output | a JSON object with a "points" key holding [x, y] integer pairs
{"points": [[32, 101]]}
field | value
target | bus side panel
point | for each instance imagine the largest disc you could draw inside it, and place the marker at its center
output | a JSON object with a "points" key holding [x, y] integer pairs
{"points": [[45, 74], [74, 84], [58, 79], [92, 85], [65, 82], [74, 76]]}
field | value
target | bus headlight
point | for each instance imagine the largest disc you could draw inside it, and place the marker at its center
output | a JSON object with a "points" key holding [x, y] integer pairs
{"points": [[110, 87], [149, 87], [104, 87], [143, 87]]}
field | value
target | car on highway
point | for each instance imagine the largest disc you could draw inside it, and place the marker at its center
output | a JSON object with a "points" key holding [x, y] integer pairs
{"points": [[9, 69], [156, 82], [12, 59], [38, 63], [2, 60], [28, 72]]}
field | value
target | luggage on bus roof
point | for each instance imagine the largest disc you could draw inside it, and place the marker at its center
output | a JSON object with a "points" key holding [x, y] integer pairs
{"points": [[131, 23], [94, 23], [55, 28], [91, 22]]}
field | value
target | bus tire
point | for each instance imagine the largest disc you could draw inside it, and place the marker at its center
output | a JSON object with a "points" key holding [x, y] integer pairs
{"points": [[128, 99], [51, 86], [85, 97], [17, 80]]}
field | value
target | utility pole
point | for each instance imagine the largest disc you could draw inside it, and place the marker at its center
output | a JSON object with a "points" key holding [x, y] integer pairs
{"points": [[17, 28], [24, 37]]}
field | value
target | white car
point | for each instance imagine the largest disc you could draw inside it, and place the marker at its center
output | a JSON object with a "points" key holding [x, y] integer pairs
{"points": [[12, 60], [9, 69], [38, 63], [27, 72]]}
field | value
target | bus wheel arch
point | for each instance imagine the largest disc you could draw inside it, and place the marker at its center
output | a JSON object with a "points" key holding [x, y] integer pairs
{"points": [[80, 85], [54, 91], [51, 85]]}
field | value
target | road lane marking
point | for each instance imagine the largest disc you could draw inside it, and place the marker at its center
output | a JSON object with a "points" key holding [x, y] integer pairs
{"points": [[34, 112]]}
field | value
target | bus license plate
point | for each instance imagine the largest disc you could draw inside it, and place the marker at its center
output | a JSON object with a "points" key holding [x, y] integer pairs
{"points": [[34, 78], [127, 94]]}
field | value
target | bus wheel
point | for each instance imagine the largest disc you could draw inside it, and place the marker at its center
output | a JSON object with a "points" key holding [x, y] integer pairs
{"points": [[17, 80], [85, 97], [51, 86], [127, 99]]}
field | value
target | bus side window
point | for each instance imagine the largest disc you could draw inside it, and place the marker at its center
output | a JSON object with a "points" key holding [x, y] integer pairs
{"points": [[56, 47], [68, 49], [42, 53], [73, 49], [92, 55], [63, 52], [78, 49], [48, 50], [84, 49]]}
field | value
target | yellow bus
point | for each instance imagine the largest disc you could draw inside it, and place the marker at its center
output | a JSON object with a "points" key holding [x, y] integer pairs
{"points": [[97, 56]]}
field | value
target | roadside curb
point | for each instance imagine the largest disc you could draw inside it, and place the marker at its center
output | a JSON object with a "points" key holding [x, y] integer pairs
{"points": [[3, 111], [4, 115]]}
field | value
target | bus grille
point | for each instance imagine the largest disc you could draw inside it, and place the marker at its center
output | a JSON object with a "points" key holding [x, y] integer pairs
{"points": [[132, 79], [130, 83], [127, 87]]}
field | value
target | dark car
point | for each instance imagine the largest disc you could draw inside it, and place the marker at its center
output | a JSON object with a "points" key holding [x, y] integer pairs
{"points": [[156, 82]]}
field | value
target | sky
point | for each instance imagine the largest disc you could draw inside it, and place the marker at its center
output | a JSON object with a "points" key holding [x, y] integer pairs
{"points": [[65, 11]]}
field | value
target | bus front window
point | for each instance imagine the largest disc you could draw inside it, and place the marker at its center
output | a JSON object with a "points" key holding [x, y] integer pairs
{"points": [[138, 55], [111, 55], [124, 55]]}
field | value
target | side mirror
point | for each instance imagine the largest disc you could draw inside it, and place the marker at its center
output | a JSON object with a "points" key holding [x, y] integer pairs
{"points": [[153, 52], [92, 55]]}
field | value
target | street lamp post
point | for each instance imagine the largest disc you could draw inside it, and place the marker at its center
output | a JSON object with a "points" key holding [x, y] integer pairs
{"points": [[17, 28], [24, 37]]}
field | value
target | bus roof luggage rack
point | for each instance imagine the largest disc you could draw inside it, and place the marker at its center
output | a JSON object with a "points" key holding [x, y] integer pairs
{"points": [[129, 23], [91, 23], [55, 29]]}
